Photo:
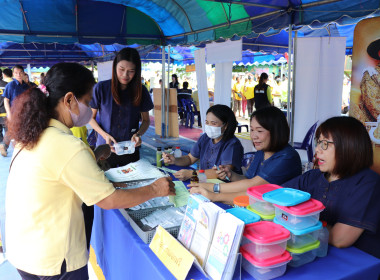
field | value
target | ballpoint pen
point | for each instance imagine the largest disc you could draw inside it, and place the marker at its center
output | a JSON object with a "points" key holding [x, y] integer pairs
{"points": [[228, 179], [167, 153]]}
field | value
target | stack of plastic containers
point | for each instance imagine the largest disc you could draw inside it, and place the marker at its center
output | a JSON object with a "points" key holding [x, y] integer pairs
{"points": [[258, 205], [263, 250], [301, 219]]}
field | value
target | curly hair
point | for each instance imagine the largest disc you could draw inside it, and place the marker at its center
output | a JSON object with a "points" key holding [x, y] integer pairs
{"points": [[30, 117]]}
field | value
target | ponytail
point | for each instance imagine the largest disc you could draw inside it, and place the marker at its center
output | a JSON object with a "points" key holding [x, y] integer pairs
{"points": [[263, 77], [30, 118]]}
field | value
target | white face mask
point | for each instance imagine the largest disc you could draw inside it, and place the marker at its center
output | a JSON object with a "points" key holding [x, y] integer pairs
{"points": [[85, 115], [213, 132]]}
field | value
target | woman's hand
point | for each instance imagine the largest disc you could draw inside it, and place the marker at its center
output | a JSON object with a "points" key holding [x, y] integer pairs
{"points": [[168, 158], [109, 140], [137, 139], [202, 191], [119, 185], [183, 174], [163, 187], [223, 172]]}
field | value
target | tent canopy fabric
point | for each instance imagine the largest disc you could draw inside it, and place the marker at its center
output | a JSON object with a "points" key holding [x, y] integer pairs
{"points": [[45, 32], [164, 22]]}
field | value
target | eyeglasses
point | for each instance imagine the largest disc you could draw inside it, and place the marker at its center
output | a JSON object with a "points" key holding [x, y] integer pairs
{"points": [[323, 144]]}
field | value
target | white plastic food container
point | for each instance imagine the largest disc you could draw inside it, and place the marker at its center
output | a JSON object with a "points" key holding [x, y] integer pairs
{"points": [[256, 200], [303, 255], [304, 237], [267, 269], [264, 240], [300, 216]]}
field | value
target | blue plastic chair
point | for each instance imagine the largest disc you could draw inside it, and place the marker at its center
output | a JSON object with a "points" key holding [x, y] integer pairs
{"points": [[191, 111], [188, 115], [239, 126], [307, 143]]}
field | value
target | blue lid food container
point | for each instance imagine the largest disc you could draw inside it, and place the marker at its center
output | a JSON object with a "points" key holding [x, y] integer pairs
{"points": [[245, 215]]}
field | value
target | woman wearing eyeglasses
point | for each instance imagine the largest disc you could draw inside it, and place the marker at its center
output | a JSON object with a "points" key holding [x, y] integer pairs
{"points": [[344, 183]]}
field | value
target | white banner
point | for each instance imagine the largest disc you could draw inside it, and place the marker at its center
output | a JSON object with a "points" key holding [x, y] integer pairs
{"points": [[104, 70], [200, 67], [223, 52], [319, 81]]}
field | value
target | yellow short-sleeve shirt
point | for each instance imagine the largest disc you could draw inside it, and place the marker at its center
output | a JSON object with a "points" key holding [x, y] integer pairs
{"points": [[46, 188], [237, 88], [249, 92]]}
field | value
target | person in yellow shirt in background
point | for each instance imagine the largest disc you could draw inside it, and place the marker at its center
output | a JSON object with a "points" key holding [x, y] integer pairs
{"points": [[249, 94], [276, 92], [238, 95], [284, 93], [244, 99]]}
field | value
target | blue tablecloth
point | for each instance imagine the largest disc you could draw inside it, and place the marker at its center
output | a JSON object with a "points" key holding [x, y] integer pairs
{"points": [[122, 255]]}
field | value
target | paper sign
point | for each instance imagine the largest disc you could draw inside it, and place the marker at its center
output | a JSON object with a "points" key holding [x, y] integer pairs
{"points": [[171, 253], [181, 194]]}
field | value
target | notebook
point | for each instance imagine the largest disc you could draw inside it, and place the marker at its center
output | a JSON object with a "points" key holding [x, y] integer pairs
{"points": [[221, 260]]}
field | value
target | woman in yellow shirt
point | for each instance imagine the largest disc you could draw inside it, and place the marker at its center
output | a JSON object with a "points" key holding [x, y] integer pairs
{"points": [[249, 95], [52, 173]]}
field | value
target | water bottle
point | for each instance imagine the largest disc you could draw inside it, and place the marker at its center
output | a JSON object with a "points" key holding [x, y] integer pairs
{"points": [[159, 157], [323, 237], [202, 176], [177, 152]]}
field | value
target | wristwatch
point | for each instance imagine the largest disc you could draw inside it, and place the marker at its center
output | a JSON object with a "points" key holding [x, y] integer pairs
{"points": [[216, 188], [138, 134]]}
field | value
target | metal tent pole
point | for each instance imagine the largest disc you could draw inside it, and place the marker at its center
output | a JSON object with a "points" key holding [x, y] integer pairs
{"points": [[168, 97], [163, 94], [289, 72], [294, 89]]}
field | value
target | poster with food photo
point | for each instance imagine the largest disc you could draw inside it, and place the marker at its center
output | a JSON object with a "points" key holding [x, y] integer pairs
{"points": [[365, 81]]}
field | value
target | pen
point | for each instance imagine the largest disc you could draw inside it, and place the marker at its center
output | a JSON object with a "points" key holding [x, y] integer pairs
{"points": [[228, 179], [167, 153]]}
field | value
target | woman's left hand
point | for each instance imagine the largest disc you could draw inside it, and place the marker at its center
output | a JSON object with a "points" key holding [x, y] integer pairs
{"points": [[183, 174], [202, 191], [137, 139]]}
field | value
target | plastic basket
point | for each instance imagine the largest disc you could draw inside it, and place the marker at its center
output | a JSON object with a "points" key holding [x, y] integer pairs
{"points": [[134, 218]]}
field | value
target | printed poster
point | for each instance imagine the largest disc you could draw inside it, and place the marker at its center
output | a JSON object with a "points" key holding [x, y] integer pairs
{"points": [[365, 84]]}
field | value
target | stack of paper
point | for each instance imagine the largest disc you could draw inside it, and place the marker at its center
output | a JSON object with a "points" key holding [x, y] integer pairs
{"points": [[135, 171], [212, 236], [181, 194]]}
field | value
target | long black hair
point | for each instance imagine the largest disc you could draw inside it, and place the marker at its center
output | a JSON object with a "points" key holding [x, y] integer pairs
{"points": [[263, 77], [131, 55]]}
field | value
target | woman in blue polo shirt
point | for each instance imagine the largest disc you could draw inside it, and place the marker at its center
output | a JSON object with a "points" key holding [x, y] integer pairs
{"points": [[217, 146], [275, 161], [344, 183], [119, 103]]}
